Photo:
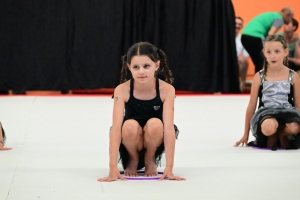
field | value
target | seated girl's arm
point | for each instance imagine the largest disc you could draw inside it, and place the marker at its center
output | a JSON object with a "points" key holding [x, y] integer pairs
{"points": [[168, 119], [296, 83], [115, 133], [250, 108], [252, 102]]}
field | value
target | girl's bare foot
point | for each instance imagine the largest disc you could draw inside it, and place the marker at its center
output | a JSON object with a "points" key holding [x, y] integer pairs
{"points": [[150, 166], [131, 168]]}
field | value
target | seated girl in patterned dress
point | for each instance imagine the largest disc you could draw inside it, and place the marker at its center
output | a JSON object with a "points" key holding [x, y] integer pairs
{"points": [[276, 123]]}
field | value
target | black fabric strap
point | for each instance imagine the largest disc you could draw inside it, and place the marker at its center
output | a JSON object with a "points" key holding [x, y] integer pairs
{"points": [[291, 76], [157, 87], [131, 86], [262, 79]]}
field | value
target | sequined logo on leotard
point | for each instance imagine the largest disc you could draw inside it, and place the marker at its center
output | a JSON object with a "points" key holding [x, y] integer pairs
{"points": [[156, 107]]}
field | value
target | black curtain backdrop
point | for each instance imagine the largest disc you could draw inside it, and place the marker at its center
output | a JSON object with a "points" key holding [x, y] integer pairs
{"points": [[78, 44]]}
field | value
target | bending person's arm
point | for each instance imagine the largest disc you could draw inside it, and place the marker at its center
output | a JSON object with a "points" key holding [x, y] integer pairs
{"points": [[277, 24]]}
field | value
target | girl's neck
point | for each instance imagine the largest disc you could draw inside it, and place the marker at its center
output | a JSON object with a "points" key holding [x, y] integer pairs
{"points": [[145, 87], [276, 69]]}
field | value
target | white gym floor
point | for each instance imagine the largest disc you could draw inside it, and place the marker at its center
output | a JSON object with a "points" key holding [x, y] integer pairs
{"points": [[60, 149]]}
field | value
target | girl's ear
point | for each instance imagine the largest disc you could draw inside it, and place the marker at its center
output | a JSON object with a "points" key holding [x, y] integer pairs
{"points": [[128, 66], [286, 52], [263, 52], [157, 64]]}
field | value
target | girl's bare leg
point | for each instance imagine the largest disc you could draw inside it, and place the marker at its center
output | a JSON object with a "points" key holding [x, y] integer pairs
{"points": [[153, 137], [132, 139], [269, 128], [289, 129], [271, 140]]}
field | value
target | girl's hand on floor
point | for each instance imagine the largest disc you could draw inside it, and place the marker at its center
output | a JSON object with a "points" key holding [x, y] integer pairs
{"points": [[4, 148], [243, 141], [114, 174], [168, 174]]}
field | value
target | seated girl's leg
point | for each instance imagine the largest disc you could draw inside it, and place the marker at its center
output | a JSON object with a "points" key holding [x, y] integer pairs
{"points": [[289, 129], [268, 128], [153, 138], [132, 139]]}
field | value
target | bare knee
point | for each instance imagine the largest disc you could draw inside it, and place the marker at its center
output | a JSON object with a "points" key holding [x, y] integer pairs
{"points": [[269, 127], [293, 128], [154, 128], [131, 130]]}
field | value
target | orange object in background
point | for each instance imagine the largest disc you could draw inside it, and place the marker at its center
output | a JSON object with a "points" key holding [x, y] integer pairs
{"points": [[249, 9]]}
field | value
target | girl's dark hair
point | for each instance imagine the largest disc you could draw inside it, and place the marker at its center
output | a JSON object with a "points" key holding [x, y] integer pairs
{"points": [[276, 38], [155, 54]]}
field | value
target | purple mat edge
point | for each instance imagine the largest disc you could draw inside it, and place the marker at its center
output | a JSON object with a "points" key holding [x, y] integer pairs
{"points": [[141, 178], [265, 148]]}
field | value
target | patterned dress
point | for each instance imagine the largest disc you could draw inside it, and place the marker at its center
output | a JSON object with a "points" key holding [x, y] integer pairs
{"points": [[276, 100]]}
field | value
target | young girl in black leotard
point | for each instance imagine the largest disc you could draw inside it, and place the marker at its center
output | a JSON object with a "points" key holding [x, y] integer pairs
{"points": [[147, 128]]}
